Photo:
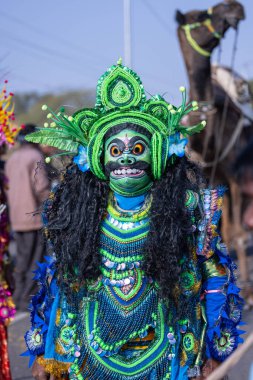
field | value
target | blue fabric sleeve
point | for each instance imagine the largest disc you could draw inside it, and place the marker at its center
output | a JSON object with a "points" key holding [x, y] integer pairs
{"points": [[220, 295], [223, 309]]}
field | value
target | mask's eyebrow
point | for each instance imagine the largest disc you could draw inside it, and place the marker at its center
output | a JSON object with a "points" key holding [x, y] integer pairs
{"points": [[134, 139], [118, 142]]}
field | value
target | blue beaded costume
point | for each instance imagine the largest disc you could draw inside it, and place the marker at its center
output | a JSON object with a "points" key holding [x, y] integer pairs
{"points": [[119, 326]]}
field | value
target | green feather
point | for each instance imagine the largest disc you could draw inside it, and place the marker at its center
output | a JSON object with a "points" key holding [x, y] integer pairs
{"points": [[71, 130], [71, 126]]}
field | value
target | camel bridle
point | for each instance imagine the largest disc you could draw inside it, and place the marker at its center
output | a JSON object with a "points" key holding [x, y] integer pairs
{"points": [[208, 24]]}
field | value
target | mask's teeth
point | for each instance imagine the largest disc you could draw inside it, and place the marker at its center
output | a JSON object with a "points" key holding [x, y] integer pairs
{"points": [[127, 171]]}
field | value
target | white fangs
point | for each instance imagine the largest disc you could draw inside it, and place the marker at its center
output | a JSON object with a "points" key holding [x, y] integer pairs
{"points": [[127, 171]]}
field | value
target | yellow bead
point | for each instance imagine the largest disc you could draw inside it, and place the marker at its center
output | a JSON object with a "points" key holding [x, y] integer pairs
{"points": [[119, 62]]}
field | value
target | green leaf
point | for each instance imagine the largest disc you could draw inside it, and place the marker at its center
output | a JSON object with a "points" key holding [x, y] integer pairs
{"points": [[54, 139], [191, 129], [50, 132]]}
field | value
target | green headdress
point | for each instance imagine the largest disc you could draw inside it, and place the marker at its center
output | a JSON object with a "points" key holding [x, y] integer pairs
{"points": [[120, 99]]}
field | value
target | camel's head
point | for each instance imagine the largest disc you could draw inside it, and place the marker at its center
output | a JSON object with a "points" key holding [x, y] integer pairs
{"points": [[232, 12], [228, 12]]}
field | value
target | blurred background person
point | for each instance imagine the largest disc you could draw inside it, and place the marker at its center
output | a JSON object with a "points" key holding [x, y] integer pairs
{"points": [[28, 187]]}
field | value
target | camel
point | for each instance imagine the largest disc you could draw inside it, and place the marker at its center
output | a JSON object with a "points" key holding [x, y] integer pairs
{"points": [[199, 33]]}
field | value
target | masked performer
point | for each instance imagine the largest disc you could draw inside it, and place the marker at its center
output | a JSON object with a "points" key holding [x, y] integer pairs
{"points": [[139, 285], [7, 309]]}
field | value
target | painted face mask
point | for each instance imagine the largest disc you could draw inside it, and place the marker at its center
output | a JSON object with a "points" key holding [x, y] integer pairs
{"points": [[127, 161]]}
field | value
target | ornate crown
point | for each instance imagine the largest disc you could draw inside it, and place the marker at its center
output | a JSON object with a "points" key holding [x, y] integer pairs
{"points": [[120, 99]]}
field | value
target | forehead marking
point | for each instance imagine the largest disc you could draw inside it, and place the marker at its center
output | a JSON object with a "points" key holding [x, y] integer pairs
{"points": [[126, 141]]}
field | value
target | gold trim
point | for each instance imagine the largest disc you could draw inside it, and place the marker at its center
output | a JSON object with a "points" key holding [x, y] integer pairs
{"points": [[54, 367]]}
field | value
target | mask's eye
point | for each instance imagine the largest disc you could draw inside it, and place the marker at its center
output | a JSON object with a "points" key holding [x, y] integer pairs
{"points": [[138, 149], [114, 151]]}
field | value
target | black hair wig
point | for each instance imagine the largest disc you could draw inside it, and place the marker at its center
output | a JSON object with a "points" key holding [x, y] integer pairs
{"points": [[79, 206], [170, 233], [74, 219], [27, 130]]}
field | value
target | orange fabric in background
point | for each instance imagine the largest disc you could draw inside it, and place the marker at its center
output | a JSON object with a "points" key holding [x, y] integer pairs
{"points": [[5, 372]]}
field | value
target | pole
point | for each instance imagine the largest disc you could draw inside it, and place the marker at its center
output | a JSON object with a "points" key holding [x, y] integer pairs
{"points": [[127, 33]]}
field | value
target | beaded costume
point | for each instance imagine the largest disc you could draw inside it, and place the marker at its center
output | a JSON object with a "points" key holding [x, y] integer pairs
{"points": [[119, 325], [7, 308]]}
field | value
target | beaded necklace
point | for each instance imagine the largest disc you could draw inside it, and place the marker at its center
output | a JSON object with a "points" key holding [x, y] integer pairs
{"points": [[123, 235]]}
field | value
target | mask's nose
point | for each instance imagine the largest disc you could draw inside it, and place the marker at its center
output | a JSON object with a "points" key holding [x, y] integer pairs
{"points": [[125, 159]]}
